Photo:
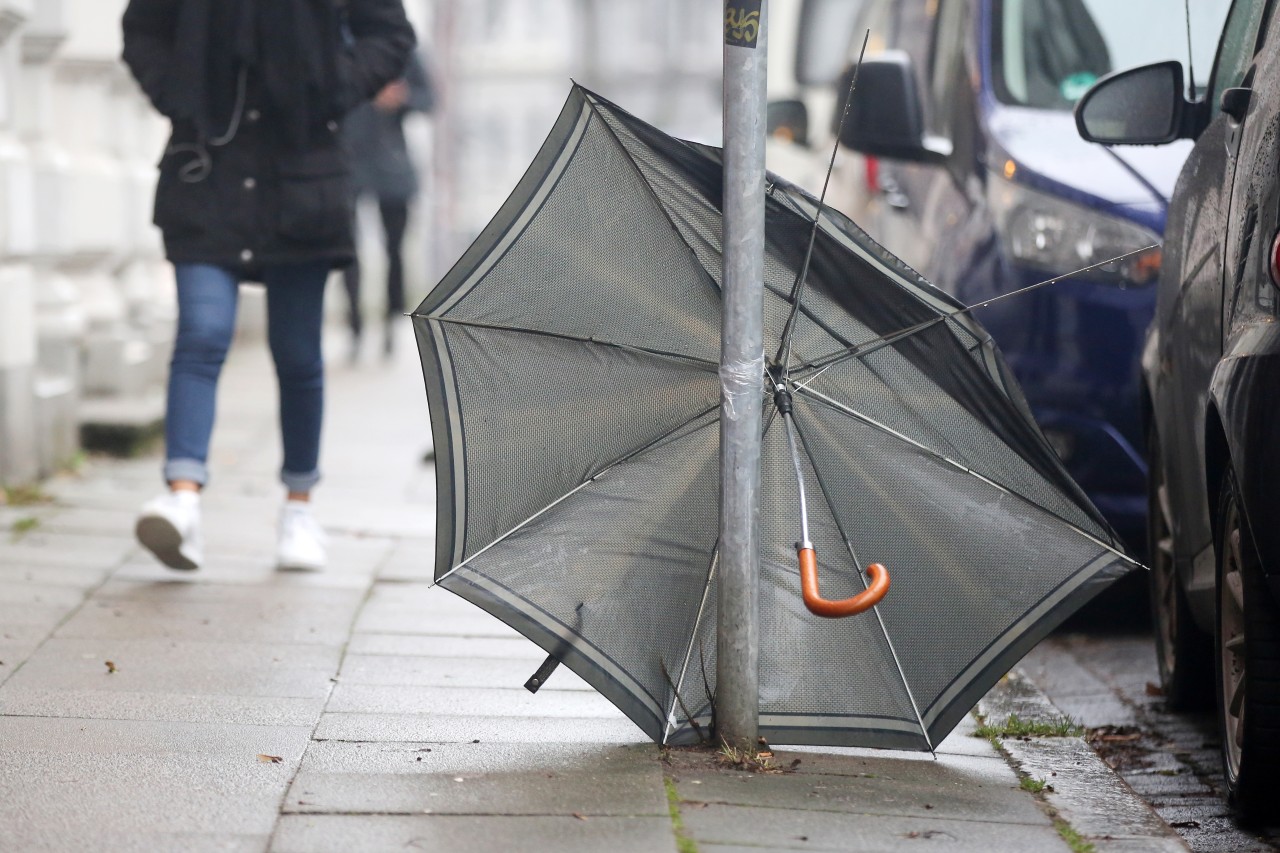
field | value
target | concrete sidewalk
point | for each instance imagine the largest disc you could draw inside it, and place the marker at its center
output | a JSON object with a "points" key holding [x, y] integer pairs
{"points": [[240, 708]]}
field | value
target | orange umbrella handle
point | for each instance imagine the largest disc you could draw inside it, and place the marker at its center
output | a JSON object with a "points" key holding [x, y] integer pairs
{"points": [[820, 606]]}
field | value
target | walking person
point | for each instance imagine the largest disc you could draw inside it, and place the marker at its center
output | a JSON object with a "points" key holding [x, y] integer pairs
{"points": [[253, 186], [383, 170]]}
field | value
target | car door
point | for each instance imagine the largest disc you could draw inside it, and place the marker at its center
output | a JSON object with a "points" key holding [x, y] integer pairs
{"points": [[1190, 304], [926, 202]]}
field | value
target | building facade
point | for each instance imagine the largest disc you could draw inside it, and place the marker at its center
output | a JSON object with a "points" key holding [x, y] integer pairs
{"points": [[84, 301], [86, 298]]}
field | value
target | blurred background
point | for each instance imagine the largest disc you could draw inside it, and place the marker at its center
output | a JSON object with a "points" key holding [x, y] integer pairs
{"points": [[86, 299]]}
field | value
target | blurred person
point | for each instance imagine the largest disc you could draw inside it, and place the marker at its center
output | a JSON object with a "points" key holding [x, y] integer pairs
{"points": [[383, 170], [253, 186]]}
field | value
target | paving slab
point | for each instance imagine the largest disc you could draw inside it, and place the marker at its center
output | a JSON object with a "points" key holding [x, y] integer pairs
{"points": [[418, 671], [89, 839], [256, 570], [82, 577], [960, 787], [507, 779], [725, 828], [85, 736], [485, 728], [169, 666], [103, 705], [24, 593], [472, 648], [206, 621], [61, 792], [449, 834], [411, 560], [454, 701]]}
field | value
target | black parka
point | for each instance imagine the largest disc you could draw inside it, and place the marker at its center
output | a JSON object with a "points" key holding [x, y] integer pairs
{"points": [[242, 197]]}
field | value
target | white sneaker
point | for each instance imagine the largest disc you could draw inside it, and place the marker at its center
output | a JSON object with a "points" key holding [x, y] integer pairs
{"points": [[302, 540], [169, 527]]}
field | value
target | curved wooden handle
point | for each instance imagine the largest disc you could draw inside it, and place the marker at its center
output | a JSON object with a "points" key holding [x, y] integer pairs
{"points": [[820, 606]]}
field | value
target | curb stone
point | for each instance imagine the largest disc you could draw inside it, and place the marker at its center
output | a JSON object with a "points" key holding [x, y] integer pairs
{"points": [[1086, 793]]}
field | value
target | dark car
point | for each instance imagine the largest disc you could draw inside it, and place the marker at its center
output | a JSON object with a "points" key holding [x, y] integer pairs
{"points": [[1211, 370], [980, 181]]}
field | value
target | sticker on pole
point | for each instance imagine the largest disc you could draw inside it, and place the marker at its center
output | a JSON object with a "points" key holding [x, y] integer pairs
{"points": [[741, 22]]}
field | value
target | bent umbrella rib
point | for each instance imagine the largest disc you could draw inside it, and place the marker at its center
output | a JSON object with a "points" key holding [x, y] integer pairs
{"points": [[693, 638], [841, 408], [493, 327], [670, 435]]}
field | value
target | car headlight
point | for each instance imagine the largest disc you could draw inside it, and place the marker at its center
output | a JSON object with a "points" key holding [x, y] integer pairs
{"points": [[1057, 236]]}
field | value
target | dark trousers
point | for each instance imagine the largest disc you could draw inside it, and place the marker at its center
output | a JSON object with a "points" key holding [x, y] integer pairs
{"points": [[394, 213]]}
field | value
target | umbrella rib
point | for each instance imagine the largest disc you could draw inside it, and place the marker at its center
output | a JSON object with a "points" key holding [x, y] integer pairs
{"points": [[693, 638], [848, 542], [653, 194], [657, 442], [869, 346], [471, 324], [841, 408]]}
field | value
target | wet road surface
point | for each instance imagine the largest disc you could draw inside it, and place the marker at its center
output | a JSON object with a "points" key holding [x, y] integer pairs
{"points": [[1100, 670]]}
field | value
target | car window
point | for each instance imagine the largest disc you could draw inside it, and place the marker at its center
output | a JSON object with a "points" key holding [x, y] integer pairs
{"points": [[1239, 40], [946, 70], [1049, 52]]}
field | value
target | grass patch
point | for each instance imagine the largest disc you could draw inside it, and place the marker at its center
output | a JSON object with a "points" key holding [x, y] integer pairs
{"points": [[684, 844], [24, 525], [1035, 786], [1077, 842], [29, 495], [1016, 727]]}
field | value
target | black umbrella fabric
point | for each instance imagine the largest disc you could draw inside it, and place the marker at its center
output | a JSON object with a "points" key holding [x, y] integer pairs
{"points": [[571, 360]]}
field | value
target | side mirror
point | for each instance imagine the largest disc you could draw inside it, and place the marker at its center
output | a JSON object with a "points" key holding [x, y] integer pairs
{"points": [[886, 115], [1137, 106], [788, 120]]}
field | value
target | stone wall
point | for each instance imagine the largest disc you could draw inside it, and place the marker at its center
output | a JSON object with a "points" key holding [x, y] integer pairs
{"points": [[85, 298]]}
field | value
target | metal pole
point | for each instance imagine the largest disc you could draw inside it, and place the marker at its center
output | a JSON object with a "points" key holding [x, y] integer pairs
{"points": [[741, 376]]}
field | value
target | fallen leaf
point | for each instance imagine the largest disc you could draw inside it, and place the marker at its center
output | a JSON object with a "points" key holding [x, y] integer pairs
{"points": [[579, 816], [269, 759], [1154, 689], [111, 667]]}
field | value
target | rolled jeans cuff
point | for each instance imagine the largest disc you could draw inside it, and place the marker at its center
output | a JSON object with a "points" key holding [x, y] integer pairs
{"points": [[296, 482], [186, 469]]}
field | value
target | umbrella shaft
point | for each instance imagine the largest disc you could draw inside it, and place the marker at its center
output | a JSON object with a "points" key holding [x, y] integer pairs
{"points": [[795, 461]]}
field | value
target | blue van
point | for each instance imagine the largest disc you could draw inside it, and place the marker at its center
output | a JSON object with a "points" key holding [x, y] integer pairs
{"points": [[975, 175]]}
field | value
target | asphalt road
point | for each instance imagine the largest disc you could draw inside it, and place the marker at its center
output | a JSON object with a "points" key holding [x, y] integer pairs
{"points": [[1100, 669]]}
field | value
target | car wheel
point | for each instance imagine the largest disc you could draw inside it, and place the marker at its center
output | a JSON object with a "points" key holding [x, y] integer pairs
{"points": [[1184, 653], [1247, 636]]}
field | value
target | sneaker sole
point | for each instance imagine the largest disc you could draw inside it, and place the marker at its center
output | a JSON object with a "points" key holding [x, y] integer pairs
{"points": [[161, 538], [298, 566]]}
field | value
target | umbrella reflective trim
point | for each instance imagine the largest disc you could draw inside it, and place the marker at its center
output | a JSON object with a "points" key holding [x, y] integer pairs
{"points": [[844, 535], [824, 730], [446, 424], [836, 405], [709, 366], [578, 653], [672, 723], [673, 435], [1003, 652], [486, 251]]}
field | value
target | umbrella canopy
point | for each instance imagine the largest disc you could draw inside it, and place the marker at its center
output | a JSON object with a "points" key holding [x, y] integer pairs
{"points": [[571, 365]]}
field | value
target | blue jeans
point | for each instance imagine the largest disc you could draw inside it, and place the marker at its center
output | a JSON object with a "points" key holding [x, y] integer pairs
{"points": [[207, 298]]}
